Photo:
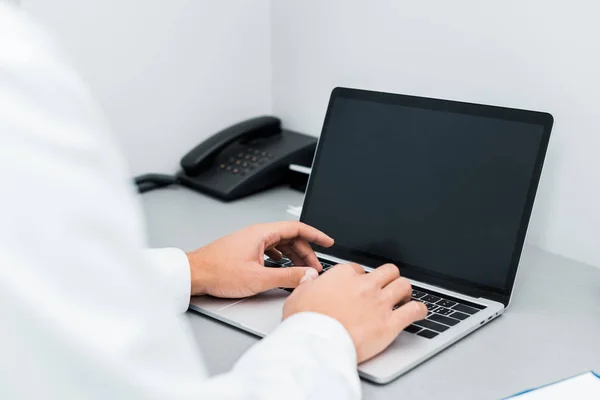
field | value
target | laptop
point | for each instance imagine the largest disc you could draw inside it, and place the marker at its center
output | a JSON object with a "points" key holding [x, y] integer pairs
{"points": [[443, 189]]}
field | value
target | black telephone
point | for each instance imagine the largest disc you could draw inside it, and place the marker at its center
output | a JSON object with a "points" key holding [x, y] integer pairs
{"points": [[240, 160]]}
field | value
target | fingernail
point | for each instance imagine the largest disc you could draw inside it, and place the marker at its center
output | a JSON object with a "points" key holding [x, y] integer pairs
{"points": [[309, 275]]}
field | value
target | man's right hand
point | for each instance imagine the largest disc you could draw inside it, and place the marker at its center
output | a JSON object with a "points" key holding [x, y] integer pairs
{"points": [[363, 303]]}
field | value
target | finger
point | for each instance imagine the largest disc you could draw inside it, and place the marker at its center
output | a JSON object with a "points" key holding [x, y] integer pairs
{"points": [[290, 253], [301, 253], [274, 254], [405, 315], [290, 277], [385, 274], [308, 277], [398, 291], [354, 268], [303, 249], [287, 230]]}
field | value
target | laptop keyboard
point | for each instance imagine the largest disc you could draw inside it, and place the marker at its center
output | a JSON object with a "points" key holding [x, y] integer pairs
{"points": [[444, 311]]}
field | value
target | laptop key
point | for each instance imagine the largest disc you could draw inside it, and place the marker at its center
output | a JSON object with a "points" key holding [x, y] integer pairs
{"points": [[278, 262], [430, 306], [427, 334], [465, 309], [459, 315], [430, 298], [446, 303], [434, 326], [417, 294], [443, 320], [443, 311], [412, 329], [326, 267]]}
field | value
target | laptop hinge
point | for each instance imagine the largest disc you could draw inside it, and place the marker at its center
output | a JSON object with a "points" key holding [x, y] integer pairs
{"points": [[463, 290]]}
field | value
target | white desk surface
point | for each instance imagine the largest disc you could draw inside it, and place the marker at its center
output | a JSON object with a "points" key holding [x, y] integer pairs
{"points": [[550, 331]]}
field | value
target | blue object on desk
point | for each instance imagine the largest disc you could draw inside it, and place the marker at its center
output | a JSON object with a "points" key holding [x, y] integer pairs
{"points": [[583, 386]]}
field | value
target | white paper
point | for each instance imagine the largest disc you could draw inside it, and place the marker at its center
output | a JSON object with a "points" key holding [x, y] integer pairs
{"points": [[295, 210], [300, 168], [581, 387]]}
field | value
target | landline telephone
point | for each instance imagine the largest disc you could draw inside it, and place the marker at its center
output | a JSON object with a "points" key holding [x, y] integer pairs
{"points": [[240, 160]]}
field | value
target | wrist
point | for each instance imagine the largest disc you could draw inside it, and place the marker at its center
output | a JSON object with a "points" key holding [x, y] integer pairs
{"points": [[198, 275]]}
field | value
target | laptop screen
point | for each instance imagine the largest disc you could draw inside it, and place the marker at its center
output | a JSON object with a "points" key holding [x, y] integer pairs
{"points": [[431, 186]]}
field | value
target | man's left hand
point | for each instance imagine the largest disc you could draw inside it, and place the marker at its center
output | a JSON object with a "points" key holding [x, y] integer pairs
{"points": [[233, 266]]}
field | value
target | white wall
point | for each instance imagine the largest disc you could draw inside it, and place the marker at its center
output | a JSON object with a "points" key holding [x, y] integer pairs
{"points": [[167, 72], [534, 54]]}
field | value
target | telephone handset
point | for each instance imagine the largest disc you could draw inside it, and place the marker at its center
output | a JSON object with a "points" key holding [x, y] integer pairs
{"points": [[240, 160], [200, 157]]}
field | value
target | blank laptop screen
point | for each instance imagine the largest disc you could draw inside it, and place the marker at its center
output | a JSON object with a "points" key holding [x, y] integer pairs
{"points": [[443, 192]]}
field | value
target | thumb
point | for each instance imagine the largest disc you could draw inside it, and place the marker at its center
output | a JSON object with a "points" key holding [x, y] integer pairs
{"points": [[309, 275], [289, 277]]}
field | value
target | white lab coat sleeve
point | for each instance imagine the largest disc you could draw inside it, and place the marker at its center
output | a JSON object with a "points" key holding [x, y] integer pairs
{"points": [[173, 268], [84, 313], [309, 356], [310, 345]]}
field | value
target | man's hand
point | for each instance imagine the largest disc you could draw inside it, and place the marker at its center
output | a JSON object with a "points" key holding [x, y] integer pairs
{"points": [[363, 303], [233, 266]]}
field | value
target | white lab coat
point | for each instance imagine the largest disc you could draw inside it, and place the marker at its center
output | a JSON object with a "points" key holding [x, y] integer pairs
{"points": [[86, 313]]}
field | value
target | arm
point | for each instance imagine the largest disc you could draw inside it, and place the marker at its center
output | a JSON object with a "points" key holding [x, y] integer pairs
{"points": [[312, 347], [88, 318], [309, 356], [316, 351], [173, 268]]}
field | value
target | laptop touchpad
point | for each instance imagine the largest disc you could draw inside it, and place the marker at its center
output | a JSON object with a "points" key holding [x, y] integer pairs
{"points": [[259, 314]]}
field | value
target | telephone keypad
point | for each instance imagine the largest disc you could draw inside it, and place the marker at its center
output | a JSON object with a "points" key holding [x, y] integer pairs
{"points": [[246, 161]]}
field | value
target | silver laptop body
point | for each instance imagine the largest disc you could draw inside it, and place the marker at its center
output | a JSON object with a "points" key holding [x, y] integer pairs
{"points": [[261, 314], [455, 313]]}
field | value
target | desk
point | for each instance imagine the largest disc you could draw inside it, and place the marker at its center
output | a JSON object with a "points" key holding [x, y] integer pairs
{"points": [[551, 330]]}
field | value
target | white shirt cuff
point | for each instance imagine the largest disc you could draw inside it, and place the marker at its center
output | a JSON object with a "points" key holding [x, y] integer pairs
{"points": [[325, 328], [323, 352], [173, 268]]}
